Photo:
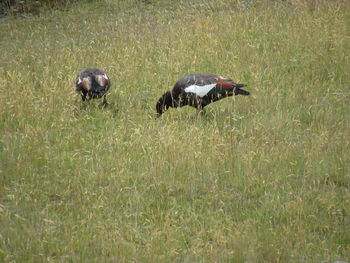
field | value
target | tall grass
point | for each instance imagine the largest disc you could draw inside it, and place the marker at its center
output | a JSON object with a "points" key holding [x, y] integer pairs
{"points": [[263, 178]]}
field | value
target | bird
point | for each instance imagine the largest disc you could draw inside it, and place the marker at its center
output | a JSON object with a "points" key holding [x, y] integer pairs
{"points": [[198, 90], [93, 83]]}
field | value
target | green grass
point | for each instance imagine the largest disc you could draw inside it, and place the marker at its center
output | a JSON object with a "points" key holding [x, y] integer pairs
{"points": [[263, 178]]}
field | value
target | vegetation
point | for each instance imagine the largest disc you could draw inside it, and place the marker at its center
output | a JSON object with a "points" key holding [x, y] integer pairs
{"points": [[263, 178], [26, 7]]}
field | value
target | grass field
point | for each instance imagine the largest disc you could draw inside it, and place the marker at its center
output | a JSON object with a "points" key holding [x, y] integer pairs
{"points": [[263, 178]]}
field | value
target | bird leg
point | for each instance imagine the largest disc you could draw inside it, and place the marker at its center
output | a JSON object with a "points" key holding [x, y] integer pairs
{"points": [[104, 102], [200, 111]]}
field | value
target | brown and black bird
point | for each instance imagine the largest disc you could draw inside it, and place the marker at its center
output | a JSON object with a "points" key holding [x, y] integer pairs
{"points": [[198, 90], [93, 83]]}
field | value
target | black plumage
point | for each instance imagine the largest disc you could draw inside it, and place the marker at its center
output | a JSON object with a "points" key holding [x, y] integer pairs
{"points": [[199, 90], [93, 83]]}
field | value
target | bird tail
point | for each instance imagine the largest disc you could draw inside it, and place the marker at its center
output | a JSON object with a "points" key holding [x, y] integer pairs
{"points": [[238, 85], [240, 91]]}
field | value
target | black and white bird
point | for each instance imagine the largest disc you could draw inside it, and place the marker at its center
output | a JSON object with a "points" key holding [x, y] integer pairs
{"points": [[93, 83], [198, 90]]}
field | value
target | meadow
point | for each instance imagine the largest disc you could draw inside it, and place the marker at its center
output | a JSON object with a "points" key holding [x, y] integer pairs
{"points": [[259, 178]]}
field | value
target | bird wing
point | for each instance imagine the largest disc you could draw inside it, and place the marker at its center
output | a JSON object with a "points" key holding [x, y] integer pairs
{"points": [[223, 82], [225, 87], [83, 83], [200, 91], [217, 85], [102, 80]]}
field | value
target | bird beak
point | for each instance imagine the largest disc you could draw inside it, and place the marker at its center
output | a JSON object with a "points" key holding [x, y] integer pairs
{"points": [[157, 116]]}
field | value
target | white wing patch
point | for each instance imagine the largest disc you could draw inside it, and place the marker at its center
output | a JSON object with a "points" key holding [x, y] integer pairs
{"points": [[79, 80], [200, 91], [105, 76]]}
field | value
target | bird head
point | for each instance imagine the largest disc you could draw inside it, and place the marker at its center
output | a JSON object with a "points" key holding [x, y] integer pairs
{"points": [[164, 102]]}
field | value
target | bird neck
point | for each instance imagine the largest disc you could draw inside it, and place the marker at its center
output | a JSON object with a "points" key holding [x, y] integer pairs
{"points": [[165, 102]]}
